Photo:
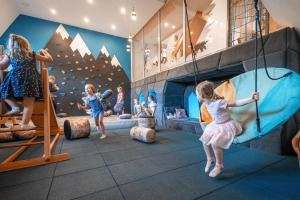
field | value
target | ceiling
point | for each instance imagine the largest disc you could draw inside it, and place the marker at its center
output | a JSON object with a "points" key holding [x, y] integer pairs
{"points": [[101, 13], [284, 12]]}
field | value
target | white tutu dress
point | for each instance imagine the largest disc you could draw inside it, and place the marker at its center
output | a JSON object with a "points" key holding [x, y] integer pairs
{"points": [[223, 129]]}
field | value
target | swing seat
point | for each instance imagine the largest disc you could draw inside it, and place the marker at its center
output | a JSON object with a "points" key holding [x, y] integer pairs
{"points": [[279, 100]]}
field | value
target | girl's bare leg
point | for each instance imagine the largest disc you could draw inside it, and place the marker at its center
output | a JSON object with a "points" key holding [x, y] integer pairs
{"points": [[102, 126], [28, 103], [209, 156], [219, 161], [14, 106]]}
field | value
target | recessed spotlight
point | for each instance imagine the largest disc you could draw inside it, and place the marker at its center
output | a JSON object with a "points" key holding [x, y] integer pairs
{"points": [[86, 19], [130, 38], [128, 46], [123, 10], [166, 24], [133, 14], [173, 26], [90, 1], [113, 27], [53, 11]]}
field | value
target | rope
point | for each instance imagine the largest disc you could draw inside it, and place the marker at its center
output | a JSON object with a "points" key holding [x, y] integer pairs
{"points": [[258, 25], [195, 65]]}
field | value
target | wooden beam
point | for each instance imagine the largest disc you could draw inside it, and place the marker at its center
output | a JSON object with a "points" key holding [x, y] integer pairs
{"points": [[17, 153], [33, 162], [19, 145]]}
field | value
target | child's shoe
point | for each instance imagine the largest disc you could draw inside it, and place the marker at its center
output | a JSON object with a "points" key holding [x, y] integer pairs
{"points": [[14, 110], [103, 136], [23, 127], [209, 164], [216, 171]]}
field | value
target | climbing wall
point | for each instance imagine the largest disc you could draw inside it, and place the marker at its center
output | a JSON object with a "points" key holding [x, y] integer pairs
{"points": [[74, 66]]}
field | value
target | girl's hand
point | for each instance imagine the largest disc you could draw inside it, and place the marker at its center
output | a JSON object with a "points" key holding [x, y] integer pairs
{"points": [[255, 96]]}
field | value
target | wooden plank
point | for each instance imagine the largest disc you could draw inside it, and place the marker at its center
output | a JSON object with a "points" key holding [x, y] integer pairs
{"points": [[47, 152], [21, 164], [54, 142], [19, 145], [17, 153]]}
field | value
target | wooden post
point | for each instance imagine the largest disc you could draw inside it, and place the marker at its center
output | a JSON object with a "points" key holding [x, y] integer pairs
{"points": [[46, 115]]}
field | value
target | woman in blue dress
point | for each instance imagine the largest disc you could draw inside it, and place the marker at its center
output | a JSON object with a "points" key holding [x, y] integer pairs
{"points": [[93, 101], [23, 81]]}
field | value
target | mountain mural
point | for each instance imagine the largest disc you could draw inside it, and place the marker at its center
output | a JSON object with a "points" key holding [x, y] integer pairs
{"points": [[74, 66]]}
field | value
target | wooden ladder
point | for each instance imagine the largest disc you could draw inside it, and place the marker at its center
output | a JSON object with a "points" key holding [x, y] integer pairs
{"points": [[44, 119]]}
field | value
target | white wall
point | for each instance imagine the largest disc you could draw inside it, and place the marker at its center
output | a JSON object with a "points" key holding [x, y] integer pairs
{"points": [[286, 12], [8, 13]]}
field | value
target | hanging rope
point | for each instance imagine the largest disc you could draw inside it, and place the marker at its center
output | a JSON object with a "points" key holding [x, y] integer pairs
{"points": [[195, 65], [258, 26]]}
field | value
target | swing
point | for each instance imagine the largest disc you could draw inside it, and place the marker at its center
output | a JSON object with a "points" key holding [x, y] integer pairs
{"points": [[279, 97], [279, 100]]}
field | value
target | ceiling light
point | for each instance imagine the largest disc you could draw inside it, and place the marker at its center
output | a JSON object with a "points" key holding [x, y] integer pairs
{"points": [[166, 24], [123, 10], [133, 14], [90, 1], [53, 11], [130, 38], [128, 50], [173, 26], [128, 46], [86, 20], [113, 27]]}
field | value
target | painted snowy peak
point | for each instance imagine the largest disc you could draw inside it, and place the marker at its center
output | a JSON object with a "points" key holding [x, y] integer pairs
{"points": [[79, 45], [62, 31], [104, 51], [115, 62]]}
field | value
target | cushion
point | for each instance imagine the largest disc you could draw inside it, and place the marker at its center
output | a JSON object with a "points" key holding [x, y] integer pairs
{"points": [[125, 116], [180, 113]]}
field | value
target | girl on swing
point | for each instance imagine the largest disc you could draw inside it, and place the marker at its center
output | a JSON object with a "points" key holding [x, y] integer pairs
{"points": [[220, 133]]}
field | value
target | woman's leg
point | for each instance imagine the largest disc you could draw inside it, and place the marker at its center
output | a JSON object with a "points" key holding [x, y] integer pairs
{"points": [[219, 161], [102, 126], [28, 103], [209, 156]]}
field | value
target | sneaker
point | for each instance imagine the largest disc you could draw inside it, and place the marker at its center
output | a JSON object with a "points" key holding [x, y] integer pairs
{"points": [[209, 164], [14, 111], [103, 136], [216, 171]]}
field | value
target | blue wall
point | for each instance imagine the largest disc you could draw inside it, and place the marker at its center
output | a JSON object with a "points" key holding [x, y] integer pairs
{"points": [[39, 31]]}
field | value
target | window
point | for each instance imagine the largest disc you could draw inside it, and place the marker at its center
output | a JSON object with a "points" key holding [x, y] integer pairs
{"points": [[151, 64], [242, 16], [138, 56], [171, 34]]}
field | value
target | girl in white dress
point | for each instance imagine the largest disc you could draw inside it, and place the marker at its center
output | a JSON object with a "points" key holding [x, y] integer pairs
{"points": [[220, 133]]}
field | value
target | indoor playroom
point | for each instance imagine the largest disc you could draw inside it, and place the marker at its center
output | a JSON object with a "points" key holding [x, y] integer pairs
{"points": [[149, 99]]}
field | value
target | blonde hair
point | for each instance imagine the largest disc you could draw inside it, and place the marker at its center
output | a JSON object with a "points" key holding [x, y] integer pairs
{"points": [[19, 48], [52, 77], [120, 88], [91, 86], [206, 90]]}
